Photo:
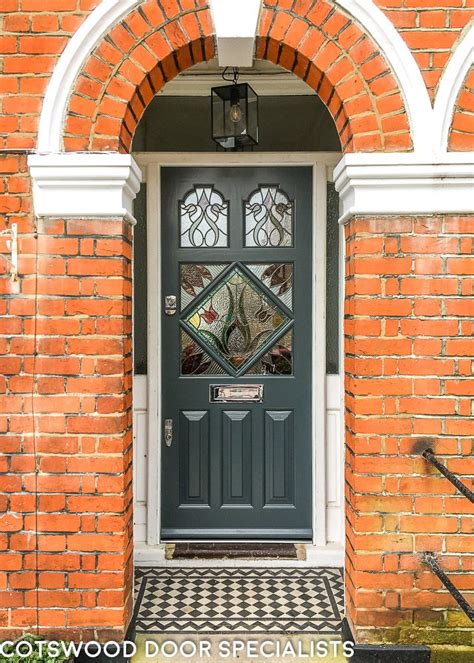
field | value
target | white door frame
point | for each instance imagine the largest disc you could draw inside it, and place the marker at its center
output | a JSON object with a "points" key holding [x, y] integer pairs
{"points": [[323, 164]]}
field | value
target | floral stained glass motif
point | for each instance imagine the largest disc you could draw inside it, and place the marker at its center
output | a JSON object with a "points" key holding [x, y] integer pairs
{"points": [[195, 361], [278, 360], [194, 278], [235, 320], [268, 218], [203, 218], [278, 277]]}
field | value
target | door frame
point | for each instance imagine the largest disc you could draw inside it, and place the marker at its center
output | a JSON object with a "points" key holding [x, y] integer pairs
{"points": [[322, 164]]}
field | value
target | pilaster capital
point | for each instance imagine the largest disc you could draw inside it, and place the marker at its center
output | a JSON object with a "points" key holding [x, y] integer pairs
{"points": [[404, 184], [84, 184]]}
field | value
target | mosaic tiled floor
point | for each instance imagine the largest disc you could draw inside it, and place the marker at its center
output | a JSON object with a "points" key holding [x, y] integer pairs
{"points": [[228, 600]]}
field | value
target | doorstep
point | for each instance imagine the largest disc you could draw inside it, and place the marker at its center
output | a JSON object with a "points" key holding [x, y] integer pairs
{"points": [[308, 555]]}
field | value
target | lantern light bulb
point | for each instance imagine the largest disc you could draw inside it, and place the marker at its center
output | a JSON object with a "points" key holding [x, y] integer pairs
{"points": [[235, 113]]}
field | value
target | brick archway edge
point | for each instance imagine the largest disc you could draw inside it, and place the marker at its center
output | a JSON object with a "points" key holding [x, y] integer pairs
{"points": [[281, 39], [375, 25], [322, 45], [425, 121]]}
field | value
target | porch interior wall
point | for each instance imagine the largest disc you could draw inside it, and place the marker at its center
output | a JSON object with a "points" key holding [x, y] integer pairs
{"points": [[286, 123]]}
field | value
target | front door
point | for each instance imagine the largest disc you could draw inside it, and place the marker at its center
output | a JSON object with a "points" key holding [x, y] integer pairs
{"points": [[236, 353]]}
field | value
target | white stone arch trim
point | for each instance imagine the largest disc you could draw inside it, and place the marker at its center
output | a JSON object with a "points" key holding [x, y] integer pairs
{"points": [[403, 65], [450, 85], [81, 44], [109, 12]]}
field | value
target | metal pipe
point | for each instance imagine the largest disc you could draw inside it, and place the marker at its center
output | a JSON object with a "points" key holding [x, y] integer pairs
{"points": [[429, 455], [430, 559]]}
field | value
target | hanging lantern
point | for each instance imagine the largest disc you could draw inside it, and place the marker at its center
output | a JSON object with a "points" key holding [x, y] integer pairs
{"points": [[234, 114]]}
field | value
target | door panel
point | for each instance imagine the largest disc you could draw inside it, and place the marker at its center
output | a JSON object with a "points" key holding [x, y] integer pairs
{"points": [[279, 458], [236, 254], [237, 458], [194, 461]]}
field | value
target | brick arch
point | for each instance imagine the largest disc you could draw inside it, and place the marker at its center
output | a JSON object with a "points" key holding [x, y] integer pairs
{"points": [[330, 51], [317, 42], [461, 133], [129, 66]]}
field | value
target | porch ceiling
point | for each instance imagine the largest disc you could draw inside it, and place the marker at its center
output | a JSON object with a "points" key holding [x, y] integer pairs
{"points": [[265, 77]]}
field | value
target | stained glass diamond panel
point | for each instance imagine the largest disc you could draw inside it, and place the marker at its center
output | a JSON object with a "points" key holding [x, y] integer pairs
{"points": [[236, 319], [195, 361]]}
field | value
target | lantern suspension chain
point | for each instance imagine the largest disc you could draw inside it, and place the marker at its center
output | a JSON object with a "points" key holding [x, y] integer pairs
{"points": [[231, 77]]}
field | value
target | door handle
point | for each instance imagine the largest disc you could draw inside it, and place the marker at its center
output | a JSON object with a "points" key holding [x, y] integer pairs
{"points": [[168, 432]]}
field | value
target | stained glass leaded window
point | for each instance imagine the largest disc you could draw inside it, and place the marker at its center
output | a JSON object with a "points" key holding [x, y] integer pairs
{"points": [[203, 218], [195, 360], [194, 278], [236, 320], [278, 277], [276, 361], [268, 218]]}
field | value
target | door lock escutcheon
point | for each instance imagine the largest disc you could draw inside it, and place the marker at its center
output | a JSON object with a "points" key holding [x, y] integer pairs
{"points": [[168, 432], [170, 304]]}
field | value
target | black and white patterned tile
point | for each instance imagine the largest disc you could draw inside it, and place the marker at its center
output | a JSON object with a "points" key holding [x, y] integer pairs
{"points": [[231, 600]]}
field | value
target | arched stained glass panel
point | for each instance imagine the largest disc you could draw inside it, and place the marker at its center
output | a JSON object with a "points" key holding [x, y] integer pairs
{"points": [[268, 218], [203, 218]]}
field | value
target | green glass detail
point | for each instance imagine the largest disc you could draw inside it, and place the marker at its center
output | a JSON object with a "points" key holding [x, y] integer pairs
{"points": [[236, 320], [194, 278], [278, 277], [195, 361], [277, 361]]}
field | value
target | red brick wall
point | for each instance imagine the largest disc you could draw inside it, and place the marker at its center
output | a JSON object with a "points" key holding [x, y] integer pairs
{"points": [[431, 29], [461, 136], [408, 378], [65, 467], [33, 34]]}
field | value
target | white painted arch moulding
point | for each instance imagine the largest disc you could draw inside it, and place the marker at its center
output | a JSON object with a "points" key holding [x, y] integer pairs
{"points": [[450, 86], [403, 65], [110, 12], [81, 44], [105, 184]]}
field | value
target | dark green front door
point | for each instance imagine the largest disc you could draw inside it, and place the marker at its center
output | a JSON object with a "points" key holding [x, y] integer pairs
{"points": [[236, 353]]}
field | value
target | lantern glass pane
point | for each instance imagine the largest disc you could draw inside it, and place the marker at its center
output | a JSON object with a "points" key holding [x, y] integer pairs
{"points": [[234, 116], [252, 114]]}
